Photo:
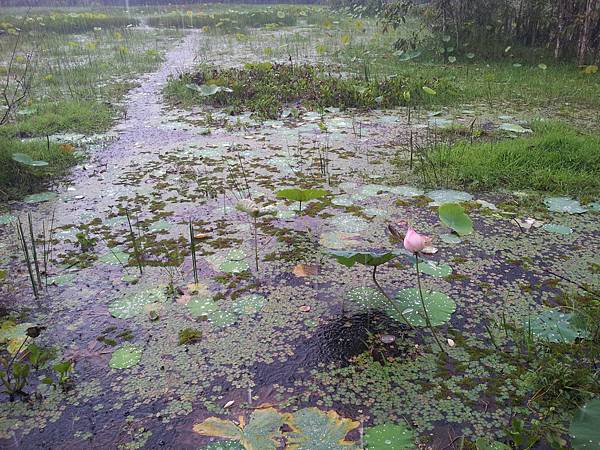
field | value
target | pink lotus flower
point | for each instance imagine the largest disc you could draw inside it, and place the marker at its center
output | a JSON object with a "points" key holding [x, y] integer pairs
{"points": [[415, 242]]}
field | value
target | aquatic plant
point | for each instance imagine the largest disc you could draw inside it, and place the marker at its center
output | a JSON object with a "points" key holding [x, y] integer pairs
{"points": [[301, 195], [255, 212]]}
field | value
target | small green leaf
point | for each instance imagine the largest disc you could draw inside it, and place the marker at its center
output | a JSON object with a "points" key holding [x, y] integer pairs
{"points": [[125, 357], [453, 216]]}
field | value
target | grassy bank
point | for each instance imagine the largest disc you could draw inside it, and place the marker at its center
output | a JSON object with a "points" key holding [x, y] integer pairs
{"points": [[554, 159]]}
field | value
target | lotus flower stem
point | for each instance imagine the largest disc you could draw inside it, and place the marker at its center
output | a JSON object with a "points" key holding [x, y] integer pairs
{"points": [[21, 237], [134, 243], [193, 252], [256, 242], [426, 314], [34, 251], [388, 299]]}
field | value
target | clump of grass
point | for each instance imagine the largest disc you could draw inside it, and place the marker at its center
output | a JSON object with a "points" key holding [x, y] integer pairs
{"points": [[17, 179], [63, 116], [67, 22], [266, 88], [555, 159]]}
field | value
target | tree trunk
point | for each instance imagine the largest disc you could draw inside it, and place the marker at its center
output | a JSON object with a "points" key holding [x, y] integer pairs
{"points": [[561, 28], [585, 33]]}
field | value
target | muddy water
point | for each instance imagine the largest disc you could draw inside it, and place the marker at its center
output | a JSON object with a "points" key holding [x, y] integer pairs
{"points": [[296, 340]]}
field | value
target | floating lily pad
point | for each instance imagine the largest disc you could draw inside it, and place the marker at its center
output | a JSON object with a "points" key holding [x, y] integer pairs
{"points": [[61, 280], [439, 306], [564, 204], [125, 357], [514, 128], [389, 436], [349, 223], [200, 306], [366, 297], [442, 196], [450, 239], [585, 425], [342, 200], [160, 225], [7, 218], [559, 229], [349, 258], [27, 160], [313, 429], [554, 326], [338, 240], [114, 258], [41, 197], [234, 266], [407, 191], [236, 255], [435, 269], [133, 304], [222, 318], [249, 304]]}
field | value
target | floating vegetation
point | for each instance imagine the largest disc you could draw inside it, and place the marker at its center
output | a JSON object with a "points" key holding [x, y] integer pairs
{"points": [[125, 357], [132, 305], [439, 306]]}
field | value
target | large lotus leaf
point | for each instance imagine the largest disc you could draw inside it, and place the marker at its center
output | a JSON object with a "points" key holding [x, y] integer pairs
{"points": [[262, 432], [349, 258], [486, 444], [125, 357], [41, 197], [349, 223], [453, 216], [301, 195], [114, 258], [439, 306], [558, 229], [133, 304], [230, 266], [564, 204], [367, 297], [224, 445], [236, 254], [442, 196], [222, 318], [249, 304], [202, 306], [338, 240], [585, 427], [554, 326], [313, 429], [389, 436], [25, 159], [435, 269]]}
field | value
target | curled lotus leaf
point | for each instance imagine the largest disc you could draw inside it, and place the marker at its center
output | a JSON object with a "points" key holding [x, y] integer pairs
{"points": [[349, 258], [313, 429], [453, 216]]}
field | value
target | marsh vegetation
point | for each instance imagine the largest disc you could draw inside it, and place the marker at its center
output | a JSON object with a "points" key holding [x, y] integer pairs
{"points": [[356, 225]]}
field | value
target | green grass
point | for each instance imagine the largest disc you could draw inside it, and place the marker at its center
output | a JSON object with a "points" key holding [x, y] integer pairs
{"points": [[17, 179], [266, 89], [555, 159], [66, 22], [67, 116]]}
